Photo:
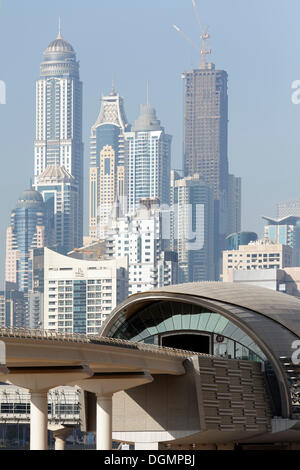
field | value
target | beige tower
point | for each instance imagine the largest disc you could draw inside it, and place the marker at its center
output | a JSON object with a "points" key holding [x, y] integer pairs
{"points": [[107, 165]]}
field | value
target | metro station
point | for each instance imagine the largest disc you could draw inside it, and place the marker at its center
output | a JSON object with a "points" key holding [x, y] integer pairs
{"points": [[192, 366]]}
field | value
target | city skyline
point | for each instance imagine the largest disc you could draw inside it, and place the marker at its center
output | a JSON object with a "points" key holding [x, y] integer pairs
{"points": [[188, 23], [137, 173]]}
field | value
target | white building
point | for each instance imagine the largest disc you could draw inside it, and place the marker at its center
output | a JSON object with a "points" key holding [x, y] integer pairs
{"points": [[58, 140], [79, 294], [148, 160], [261, 254], [192, 228], [140, 238]]}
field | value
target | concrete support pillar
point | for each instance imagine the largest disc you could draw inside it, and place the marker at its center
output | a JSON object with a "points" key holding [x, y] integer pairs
{"points": [[60, 434], [104, 386], [104, 422], [39, 380], [59, 443], [39, 421]]}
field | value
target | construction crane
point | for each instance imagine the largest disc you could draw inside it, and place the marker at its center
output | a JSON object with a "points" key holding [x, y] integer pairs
{"points": [[204, 36]]}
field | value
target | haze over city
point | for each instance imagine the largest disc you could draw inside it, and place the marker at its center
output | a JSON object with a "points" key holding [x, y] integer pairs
{"points": [[150, 227], [257, 44]]}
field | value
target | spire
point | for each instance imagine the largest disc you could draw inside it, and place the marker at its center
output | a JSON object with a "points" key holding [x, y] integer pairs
{"points": [[113, 91], [59, 29]]}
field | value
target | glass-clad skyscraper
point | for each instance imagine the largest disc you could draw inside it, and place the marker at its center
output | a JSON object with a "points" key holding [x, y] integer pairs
{"points": [[27, 231], [58, 140], [61, 197], [107, 165], [148, 158], [192, 228]]}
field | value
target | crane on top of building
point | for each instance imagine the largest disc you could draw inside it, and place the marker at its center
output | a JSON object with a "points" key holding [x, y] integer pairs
{"points": [[204, 36]]}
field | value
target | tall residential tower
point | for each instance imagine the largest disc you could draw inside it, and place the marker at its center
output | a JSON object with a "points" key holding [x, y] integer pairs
{"points": [[192, 228], [107, 163], [148, 160], [58, 140]]}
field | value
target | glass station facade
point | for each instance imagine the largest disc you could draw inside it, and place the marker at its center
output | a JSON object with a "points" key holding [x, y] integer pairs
{"points": [[186, 326]]}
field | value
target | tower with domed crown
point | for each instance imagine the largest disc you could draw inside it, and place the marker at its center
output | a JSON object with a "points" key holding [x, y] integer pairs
{"points": [[58, 140]]}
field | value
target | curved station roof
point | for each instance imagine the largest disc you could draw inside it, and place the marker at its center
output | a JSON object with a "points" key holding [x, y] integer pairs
{"points": [[261, 320]]}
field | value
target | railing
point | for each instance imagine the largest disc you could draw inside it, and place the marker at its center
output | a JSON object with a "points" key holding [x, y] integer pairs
{"points": [[23, 333]]}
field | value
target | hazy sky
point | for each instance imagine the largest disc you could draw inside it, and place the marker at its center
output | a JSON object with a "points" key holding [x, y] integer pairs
{"points": [[257, 42]]}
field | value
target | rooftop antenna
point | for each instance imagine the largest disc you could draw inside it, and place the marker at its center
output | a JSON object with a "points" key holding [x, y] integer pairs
{"points": [[59, 28], [204, 37], [113, 90]]}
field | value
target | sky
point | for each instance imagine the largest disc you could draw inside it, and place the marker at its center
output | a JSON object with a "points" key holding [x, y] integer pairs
{"points": [[257, 43]]}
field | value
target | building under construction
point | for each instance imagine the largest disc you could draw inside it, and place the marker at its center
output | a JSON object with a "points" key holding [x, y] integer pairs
{"points": [[206, 138]]}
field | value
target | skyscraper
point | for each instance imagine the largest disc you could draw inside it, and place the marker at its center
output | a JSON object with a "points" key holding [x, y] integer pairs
{"points": [[27, 231], [206, 142], [206, 126], [148, 160], [192, 228], [60, 193], [234, 204], [58, 140], [107, 165]]}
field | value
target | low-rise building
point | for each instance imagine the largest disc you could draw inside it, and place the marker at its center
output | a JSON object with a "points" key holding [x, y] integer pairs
{"points": [[261, 254], [78, 294], [286, 280]]}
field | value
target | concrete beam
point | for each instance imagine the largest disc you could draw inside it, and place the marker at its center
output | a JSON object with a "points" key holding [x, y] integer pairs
{"points": [[108, 384], [100, 357], [39, 379]]}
